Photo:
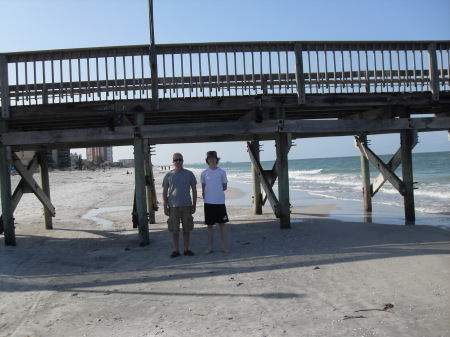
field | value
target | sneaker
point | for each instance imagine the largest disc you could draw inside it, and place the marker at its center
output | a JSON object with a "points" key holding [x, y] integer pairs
{"points": [[175, 254], [188, 253]]}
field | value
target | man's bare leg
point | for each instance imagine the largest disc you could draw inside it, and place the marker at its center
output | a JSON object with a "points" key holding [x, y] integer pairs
{"points": [[223, 234], [210, 239], [175, 239], [186, 238]]}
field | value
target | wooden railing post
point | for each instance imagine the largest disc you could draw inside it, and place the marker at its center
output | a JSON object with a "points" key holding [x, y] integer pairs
{"points": [[434, 74], [4, 87], [299, 79], [153, 60]]}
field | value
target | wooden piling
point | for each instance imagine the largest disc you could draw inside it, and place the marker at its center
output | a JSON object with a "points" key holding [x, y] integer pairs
{"points": [[152, 204], [45, 182], [140, 184], [365, 173], [257, 196], [282, 148], [5, 184], [5, 151], [407, 141]]}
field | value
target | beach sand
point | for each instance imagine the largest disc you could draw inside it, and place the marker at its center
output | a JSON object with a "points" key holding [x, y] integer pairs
{"points": [[321, 277]]}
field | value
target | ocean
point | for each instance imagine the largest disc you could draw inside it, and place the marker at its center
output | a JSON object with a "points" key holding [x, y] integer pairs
{"points": [[338, 181]]}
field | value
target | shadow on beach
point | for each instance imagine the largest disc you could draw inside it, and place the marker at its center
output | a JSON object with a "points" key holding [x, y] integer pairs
{"points": [[80, 260]]}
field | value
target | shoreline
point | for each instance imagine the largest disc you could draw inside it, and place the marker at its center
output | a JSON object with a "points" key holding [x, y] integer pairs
{"points": [[345, 210], [239, 194]]}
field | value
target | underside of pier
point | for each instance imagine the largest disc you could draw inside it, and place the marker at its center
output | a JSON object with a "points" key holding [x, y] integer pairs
{"points": [[250, 119], [220, 92]]}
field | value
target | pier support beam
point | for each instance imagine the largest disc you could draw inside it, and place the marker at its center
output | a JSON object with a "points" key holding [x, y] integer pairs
{"points": [[405, 187], [152, 203], [257, 196], [367, 192], [283, 145], [140, 183], [45, 182], [407, 144], [7, 219]]}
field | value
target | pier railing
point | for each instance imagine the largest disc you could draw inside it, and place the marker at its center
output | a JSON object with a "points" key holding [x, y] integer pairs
{"points": [[224, 69]]}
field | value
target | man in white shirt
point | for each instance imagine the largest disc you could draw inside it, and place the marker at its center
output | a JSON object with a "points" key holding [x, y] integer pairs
{"points": [[214, 183]]}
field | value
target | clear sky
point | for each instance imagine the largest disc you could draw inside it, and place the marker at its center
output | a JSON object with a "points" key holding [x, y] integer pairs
{"points": [[54, 24]]}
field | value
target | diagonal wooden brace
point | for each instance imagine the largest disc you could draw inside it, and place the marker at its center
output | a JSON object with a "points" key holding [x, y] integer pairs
{"points": [[265, 183], [28, 181], [22, 187], [271, 176], [385, 171], [393, 164]]}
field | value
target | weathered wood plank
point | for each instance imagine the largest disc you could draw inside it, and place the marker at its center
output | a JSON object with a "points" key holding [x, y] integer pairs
{"points": [[218, 132], [157, 133], [309, 128], [70, 110]]}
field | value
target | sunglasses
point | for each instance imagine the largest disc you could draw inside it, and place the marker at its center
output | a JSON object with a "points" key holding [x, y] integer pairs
{"points": [[179, 159]]}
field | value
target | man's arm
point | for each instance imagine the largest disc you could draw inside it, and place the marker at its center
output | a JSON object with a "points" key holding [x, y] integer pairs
{"points": [[165, 202], [194, 198]]}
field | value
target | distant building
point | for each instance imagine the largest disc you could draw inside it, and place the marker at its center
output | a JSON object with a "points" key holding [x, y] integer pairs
{"points": [[126, 162], [63, 158], [105, 153]]}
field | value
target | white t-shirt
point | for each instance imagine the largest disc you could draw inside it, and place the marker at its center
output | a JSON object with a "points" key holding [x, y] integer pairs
{"points": [[214, 180]]}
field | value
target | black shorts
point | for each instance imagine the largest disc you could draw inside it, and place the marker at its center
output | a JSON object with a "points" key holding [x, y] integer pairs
{"points": [[215, 213]]}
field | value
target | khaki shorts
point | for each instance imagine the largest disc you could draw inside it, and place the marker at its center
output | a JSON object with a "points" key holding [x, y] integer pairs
{"points": [[182, 214]]}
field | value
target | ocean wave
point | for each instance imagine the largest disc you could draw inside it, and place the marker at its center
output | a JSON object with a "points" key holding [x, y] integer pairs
{"points": [[296, 173], [436, 194]]}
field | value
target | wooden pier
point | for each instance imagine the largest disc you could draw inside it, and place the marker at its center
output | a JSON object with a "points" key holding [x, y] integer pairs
{"points": [[220, 92]]}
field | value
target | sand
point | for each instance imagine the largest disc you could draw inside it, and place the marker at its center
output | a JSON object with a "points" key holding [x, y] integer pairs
{"points": [[321, 277]]}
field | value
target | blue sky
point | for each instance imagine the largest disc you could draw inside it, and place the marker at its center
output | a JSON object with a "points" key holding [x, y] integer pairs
{"points": [[55, 24]]}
